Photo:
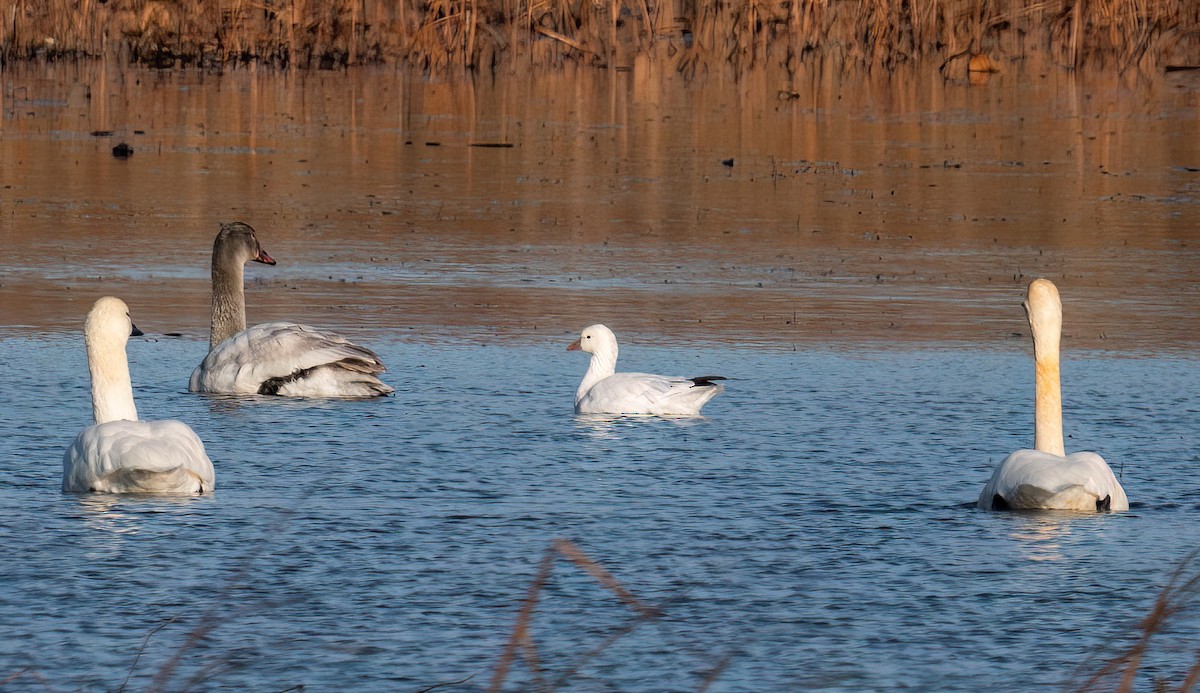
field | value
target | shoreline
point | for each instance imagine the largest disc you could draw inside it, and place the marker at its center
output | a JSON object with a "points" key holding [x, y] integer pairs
{"points": [[485, 35]]}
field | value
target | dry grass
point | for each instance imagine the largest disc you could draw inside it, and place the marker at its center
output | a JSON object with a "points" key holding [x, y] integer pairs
{"points": [[1180, 595], [696, 34], [521, 642]]}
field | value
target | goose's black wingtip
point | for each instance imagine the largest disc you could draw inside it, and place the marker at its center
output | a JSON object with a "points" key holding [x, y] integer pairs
{"points": [[706, 380]]}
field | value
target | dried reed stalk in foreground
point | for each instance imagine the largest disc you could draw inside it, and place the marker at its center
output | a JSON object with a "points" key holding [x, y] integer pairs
{"points": [[1179, 595], [521, 639], [481, 34]]}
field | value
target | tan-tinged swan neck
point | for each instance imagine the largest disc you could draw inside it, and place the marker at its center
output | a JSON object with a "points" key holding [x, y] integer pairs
{"points": [[1043, 308]]}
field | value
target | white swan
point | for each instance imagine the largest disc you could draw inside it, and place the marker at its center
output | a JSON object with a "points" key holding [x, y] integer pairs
{"points": [[274, 358], [119, 454], [1046, 478], [604, 391]]}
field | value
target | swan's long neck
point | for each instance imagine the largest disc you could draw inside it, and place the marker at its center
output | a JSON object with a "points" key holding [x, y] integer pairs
{"points": [[602, 365], [112, 389], [228, 302], [1047, 407]]}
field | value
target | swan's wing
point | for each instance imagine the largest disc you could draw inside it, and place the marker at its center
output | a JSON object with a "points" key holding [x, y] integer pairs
{"points": [[137, 457], [1097, 478], [285, 358], [646, 393], [1034, 480]]}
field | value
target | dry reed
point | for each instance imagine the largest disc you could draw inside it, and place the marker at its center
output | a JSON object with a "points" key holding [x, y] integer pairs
{"points": [[1180, 595], [521, 642], [483, 34]]}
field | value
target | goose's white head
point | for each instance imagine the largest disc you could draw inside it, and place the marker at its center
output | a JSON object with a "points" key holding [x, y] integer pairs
{"points": [[1043, 309], [108, 323], [236, 245], [596, 339]]}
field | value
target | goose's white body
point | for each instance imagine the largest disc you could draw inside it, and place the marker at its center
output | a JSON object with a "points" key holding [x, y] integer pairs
{"points": [[119, 454], [604, 391], [276, 358], [1046, 478]]}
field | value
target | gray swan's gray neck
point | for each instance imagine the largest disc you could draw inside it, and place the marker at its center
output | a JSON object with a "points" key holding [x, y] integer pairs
{"points": [[602, 365], [228, 301], [112, 388]]}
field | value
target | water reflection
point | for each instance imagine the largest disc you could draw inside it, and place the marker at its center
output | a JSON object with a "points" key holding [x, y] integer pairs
{"points": [[1041, 534], [941, 197], [115, 517], [609, 426], [1046, 535]]}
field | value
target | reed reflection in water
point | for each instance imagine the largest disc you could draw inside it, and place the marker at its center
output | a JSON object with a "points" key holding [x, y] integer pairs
{"points": [[882, 208]]}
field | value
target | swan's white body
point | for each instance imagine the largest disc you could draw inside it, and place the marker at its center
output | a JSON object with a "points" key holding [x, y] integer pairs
{"points": [[119, 454], [284, 358], [276, 358], [1035, 480], [604, 391], [1046, 478]]}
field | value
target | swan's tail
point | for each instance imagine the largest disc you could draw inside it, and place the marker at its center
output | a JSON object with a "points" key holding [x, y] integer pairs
{"points": [[131, 480], [1075, 497], [353, 377]]}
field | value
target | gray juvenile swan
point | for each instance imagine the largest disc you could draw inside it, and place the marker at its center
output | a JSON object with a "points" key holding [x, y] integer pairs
{"points": [[604, 391], [274, 358], [119, 454], [1046, 478]]}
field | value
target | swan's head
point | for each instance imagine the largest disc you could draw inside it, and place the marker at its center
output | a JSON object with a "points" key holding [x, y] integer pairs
{"points": [[236, 245], [595, 339], [109, 322], [1043, 308]]}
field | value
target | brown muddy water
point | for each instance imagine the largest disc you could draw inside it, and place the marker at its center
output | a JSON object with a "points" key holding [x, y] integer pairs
{"points": [[825, 210]]}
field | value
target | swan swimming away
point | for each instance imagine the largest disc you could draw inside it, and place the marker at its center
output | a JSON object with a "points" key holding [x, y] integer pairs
{"points": [[119, 454], [1046, 478], [604, 391], [274, 358]]}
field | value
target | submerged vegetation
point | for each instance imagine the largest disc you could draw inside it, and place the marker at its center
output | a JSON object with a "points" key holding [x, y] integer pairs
{"points": [[481, 34]]}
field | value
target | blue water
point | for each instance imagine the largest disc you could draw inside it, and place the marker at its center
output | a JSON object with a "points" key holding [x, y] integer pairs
{"points": [[815, 531]]}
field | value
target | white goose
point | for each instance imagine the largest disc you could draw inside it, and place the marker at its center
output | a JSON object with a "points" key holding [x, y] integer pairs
{"points": [[119, 454], [274, 358], [1046, 478], [604, 391]]}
